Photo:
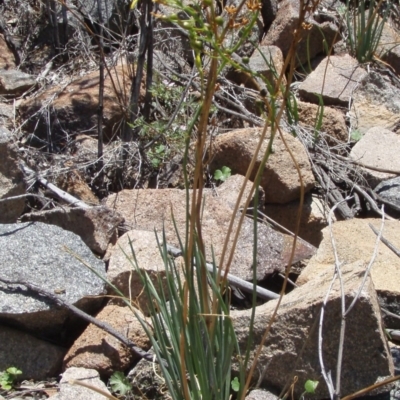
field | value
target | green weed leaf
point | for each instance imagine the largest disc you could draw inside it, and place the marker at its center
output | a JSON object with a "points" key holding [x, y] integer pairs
{"points": [[235, 384], [119, 383], [310, 386], [222, 174]]}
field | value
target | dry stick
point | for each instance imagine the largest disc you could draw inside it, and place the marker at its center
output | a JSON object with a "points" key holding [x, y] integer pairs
{"points": [[349, 160], [100, 324], [233, 280], [327, 376], [54, 189], [385, 241], [100, 106], [92, 387], [370, 201], [334, 195], [390, 314], [346, 312], [372, 387]]}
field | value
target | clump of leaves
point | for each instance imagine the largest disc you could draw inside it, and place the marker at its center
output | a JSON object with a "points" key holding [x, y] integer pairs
{"points": [[120, 383], [365, 25], [8, 377], [222, 174], [356, 135]]}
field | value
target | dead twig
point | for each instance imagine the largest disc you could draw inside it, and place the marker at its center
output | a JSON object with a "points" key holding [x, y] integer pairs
{"points": [[60, 194], [385, 241], [100, 324], [233, 280]]}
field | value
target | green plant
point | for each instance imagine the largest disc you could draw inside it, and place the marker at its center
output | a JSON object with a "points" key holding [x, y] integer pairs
{"points": [[309, 387], [120, 383], [222, 174], [194, 338], [364, 26], [355, 135], [8, 377]]}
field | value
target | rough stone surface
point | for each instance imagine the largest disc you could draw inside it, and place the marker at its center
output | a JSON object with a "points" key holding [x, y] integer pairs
{"points": [[14, 82], [313, 217], [390, 190], [74, 108], [261, 395], [96, 226], [333, 129], [270, 70], [335, 78], [98, 350], [229, 190], [69, 391], [121, 271], [37, 359], [379, 148], [355, 241], [388, 48], [281, 33], [36, 253], [74, 184], [151, 209], [375, 102], [280, 179], [11, 179], [291, 348], [7, 59], [147, 381]]}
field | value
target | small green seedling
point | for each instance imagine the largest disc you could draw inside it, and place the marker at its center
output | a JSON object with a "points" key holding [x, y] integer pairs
{"points": [[309, 387], [235, 384], [120, 383], [222, 174], [356, 135], [8, 377]]}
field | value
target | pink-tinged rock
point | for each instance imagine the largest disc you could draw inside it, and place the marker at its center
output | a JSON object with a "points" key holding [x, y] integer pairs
{"points": [[281, 33], [7, 59], [97, 349], [333, 128], [355, 241], [291, 347], [150, 209], [280, 179]]}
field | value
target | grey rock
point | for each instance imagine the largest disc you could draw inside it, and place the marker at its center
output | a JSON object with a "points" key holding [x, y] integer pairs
{"points": [[390, 190], [37, 253], [11, 179], [14, 82], [261, 395], [335, 78], [376, 103], [69, 391], [111, 12], [36, 358], [379, 147]]}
